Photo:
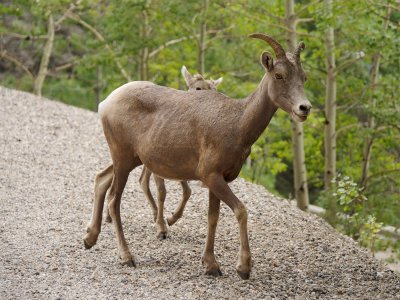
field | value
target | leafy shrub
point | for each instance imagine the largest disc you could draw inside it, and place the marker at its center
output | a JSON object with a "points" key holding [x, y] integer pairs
{"points": [[345, 204]]}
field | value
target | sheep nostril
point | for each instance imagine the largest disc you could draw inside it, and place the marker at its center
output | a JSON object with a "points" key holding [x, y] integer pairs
{"points": [[304, 108]]}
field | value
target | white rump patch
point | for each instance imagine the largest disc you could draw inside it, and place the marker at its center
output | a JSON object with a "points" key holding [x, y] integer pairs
{"points": [[123, 88]]}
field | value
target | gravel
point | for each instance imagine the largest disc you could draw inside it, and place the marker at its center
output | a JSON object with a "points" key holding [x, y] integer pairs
{"points": [[50, 154]]}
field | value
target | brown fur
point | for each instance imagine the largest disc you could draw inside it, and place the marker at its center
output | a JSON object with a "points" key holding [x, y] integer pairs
{"points": [[194, 135], [195, 82]]}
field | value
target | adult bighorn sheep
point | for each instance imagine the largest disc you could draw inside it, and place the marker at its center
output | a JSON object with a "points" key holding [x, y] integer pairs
{"points": [[195, 82], [199, 135]]}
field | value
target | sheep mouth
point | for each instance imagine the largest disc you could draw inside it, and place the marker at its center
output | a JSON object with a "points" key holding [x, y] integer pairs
{"points": [[299, 118]]}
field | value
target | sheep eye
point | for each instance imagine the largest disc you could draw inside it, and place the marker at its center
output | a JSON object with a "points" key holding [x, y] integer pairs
{"points": [[278, 76], [198, 89]]}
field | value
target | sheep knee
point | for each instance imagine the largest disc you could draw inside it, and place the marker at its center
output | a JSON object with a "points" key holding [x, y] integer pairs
{"points": [[241, 213]]}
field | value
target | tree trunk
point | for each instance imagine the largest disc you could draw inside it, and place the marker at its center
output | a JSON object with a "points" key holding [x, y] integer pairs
{"points": [[144, 52], [299, 166], [330, 103], [202, 39], [99, 86], [48, 47], [371, 119]]}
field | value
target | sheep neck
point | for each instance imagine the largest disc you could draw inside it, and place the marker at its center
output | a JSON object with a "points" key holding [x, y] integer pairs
{"points": [[258, 112]]}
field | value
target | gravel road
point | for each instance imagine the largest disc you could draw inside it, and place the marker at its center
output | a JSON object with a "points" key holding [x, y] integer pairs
{"points": [[49, 155]]}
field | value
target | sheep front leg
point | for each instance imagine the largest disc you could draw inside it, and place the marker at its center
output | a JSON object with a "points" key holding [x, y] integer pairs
{"points": [[208, 259], [160, 222], [114, 207], [218, 186]]}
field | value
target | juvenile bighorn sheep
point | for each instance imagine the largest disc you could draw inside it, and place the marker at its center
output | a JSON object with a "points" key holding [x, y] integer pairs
{"points": [[195, 82], [199, 135]]}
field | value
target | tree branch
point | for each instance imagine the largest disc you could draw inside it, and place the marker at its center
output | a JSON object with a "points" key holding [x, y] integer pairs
{"points": [[278, 18], [381, 173], [5, 55], [349, 62], [64, 66], [305, 7], [101, 38], [304, 20], [68, 11], [165, 45], [345, 128], [292, 31], [181, 39], [24, 36], [217, 32]]}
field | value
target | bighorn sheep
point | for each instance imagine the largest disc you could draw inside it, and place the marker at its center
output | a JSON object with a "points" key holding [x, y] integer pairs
{"points": [[195, 82], [199, 135]]}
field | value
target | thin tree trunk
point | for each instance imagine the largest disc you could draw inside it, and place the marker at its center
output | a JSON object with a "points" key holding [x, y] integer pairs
{"points": [[99, 86], [371, 119], [202, 39], [44, 63], [330, 103], [144, 52], [299, 165]]}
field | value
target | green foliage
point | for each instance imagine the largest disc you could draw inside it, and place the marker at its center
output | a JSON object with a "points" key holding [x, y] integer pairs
{"points": [[369, 232], [350, 195], [346, 211]]}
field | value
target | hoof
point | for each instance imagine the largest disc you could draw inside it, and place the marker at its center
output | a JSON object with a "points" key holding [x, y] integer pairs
{"points": [[244, 275], [130, 263], [214, 272], [162, 236], [87, 244], [170, 221], [107, 219]]}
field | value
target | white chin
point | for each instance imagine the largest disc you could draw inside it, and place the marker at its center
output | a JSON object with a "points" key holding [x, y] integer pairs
{"points": [[298, 118]]}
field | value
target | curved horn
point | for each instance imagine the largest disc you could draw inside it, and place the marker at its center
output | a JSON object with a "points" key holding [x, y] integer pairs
{"points": [[298, 50], [278, 49]]}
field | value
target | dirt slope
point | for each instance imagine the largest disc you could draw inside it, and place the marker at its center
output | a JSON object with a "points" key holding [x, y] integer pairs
{"points": [[49, 155]]}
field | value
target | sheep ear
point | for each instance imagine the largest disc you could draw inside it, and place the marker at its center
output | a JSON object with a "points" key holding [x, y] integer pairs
{"points": [[186, 75], [267, 61], [218, 81]]}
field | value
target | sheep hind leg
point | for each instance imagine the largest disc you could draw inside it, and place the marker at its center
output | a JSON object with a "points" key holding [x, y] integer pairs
{"points": [[107, 217], [102, 183], [144, 181], [177, 214], [162, 230]]}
